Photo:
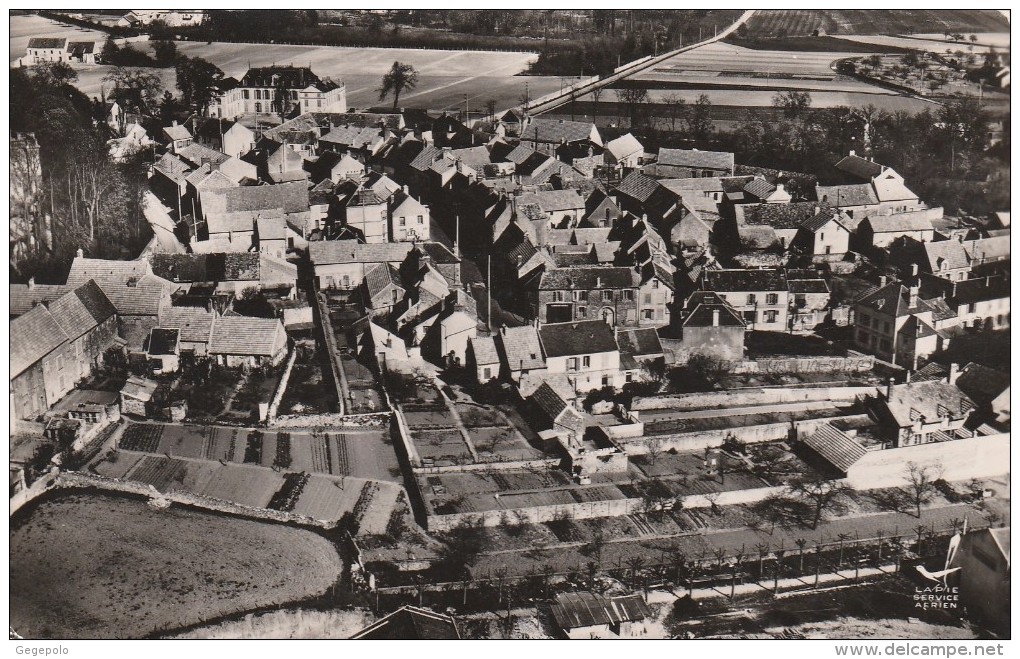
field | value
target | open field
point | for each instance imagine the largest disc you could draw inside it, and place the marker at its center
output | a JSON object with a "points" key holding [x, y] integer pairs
{"points": [[802, 22], [93, 566], [1000, 40], [288, 624], [362, 454], [936, 43], [23, 28]]}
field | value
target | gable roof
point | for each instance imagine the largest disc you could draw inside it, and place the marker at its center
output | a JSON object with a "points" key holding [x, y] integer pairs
{"points": [[103, 270], [24, 297], [411, 623], [522, 347], [291, 197], [945, 254], [33, 336], [837, 448], [547, 400], [82, 309], [638, 186], [552, 200], [988, 249], [46, 42], [586, 278], [696, 159], [893, 299], [331, 252], [981, 383], [701, 307], [859, 167], [213, 267], [582, 337], [624, 146], [778, 216], [745, 280], [760, 188], [822, 219], [557, 131], [858, 194], [484, 349], [638, 342], [195, 323], [586, 609], [177, 132], [899, 222], [932, 400], [243, 335]]}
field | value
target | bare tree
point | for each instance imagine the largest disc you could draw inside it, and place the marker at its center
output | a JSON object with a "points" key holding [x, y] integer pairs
{"points": [[921, 483], [596, 94], [654, 445], [632, 99], [823, 495], [801, 543], [676, 108]]}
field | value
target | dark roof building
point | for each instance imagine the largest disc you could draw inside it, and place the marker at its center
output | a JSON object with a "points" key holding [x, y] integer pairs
{"points": [[580, 610], [411, 623], [745, 280], [577, 338]]}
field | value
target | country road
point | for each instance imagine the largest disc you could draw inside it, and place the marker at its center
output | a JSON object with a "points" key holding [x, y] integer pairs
{"points": [[571, 93]]}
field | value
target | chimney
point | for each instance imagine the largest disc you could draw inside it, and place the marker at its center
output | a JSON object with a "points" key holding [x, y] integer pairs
{"points": [[954, 372], [852, 152], [405, 190], [908, 370], [988, 281], [598, 282], [174, 123], [816, 209], [888, 390], [913, 270], [914, 290], [80, 253], [31, 283], [882, 281], [917, 332], [715, 318]]}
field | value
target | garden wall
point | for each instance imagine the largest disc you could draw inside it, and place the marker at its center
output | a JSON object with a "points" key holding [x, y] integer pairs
{"points": [[332, 420], [852, 364], [975, 457], [514, 465], [538, 514], [281, 387], [745, 398], [339, 377]]}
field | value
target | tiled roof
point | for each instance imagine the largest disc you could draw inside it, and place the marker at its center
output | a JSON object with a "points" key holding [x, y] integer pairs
{"points": [[981, 383], [291, 197], [759, 188], [289, 77], [46, 42], [484, 349], [82, 309], [899, 222], [982, 289], [216, 267], [808, 285], [194, 323], [143, 297], [700, 310], [778, 216], [271, 228], [639, 342], [930, 372], [822, 219], [33, 336], [379, 278], [103, 270], [243, 335], [932, 400], [698, 159], [196, 154], [838, 449], [585, 609], [862, 168], [329, 252], [425, 158], [893, 299], [638, 186], [587, 278], [178, 132], [553, 200], [556, 131], [945, 254], [986, 249], [24, 298], [745, 280], [522, 347], [578, 338], [893, 189], [547, 400], [624, 146], [411, 623], [172, 167], [239, 221], [861, 194]]}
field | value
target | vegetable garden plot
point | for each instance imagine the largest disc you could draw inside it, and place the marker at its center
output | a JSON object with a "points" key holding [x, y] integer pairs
{"points": [[141, 437], [249, 486], [184, 441], [328, 498], [159, 472]]}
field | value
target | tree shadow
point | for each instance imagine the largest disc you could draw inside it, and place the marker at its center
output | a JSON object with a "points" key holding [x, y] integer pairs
{"points": [[893, 500]]}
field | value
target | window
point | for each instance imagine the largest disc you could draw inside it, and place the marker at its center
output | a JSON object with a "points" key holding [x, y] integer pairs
{"points": [[582, 312], [486, 373], [245, 94], [629, 376], [605, 380], [347, 281], [862, 336], [916, 439], [772, 298], [647, 313], [771, 315], [628, 295], [318, 103], [393, 296], [586, 361], [865, 319], [403, 221], [580, 296], [648, 298], [887, 327], [752, 298], [258, 107], [821, 237], [885, 345], [557, 296], [607, 296], [572, 364], [421, 219], [655, 283]]}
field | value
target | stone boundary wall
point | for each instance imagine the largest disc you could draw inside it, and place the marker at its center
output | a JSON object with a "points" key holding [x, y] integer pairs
{"points": [[794, 364], [336, 420], [339, 378], [510, 465], [281, 388], [974, 457], [745, 398]]}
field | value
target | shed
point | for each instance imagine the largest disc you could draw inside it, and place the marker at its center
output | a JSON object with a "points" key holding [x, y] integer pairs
{"points": [[584, 615]]}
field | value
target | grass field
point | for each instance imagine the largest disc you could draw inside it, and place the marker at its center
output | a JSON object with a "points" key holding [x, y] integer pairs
{"points": [[288, 624], [936, 44], [802, 22], [91, 566]]}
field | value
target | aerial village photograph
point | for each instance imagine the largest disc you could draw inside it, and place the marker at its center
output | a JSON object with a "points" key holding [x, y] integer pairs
{"points": [[510, 324]]}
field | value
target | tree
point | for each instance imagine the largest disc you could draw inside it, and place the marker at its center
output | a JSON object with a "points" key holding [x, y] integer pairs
{"points": [[792, 104], [598, 541], [596, 94], [110, 52], [632, 99], [490, 108], [400, 78], [921, 483], [54, 74], [165, 52], [654, 445], [801, 543], [699, 120], [973, 38], [823, 495], [135, 89], [873, 62], [197, 80], [676, 109]]}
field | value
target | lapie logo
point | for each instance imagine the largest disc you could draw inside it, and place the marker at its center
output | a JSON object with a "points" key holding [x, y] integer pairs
{"points": [[937, 577]]}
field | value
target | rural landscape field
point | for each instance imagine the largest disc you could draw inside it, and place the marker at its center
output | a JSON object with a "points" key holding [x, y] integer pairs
{"points": [[97, 566]]}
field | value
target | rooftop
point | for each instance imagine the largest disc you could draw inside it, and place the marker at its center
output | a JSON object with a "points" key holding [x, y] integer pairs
{"points": [[745, 280], [587, 278], [578, 338], [694, 158], [586, 609], [837, 448]]}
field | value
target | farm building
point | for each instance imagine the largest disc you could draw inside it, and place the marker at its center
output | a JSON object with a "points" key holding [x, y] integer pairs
{"points": [[584, 615], [482, 354], [42, 363], [241, 341], [163, 349], [46, 49], [691, 163], [135, 396], [712, 328], [411, 623]]}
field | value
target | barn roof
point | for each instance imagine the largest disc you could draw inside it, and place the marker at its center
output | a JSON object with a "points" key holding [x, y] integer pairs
{"points": [[837, 448]]}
